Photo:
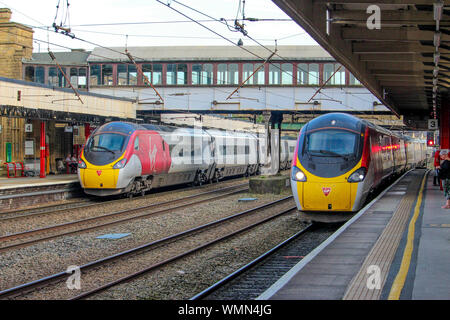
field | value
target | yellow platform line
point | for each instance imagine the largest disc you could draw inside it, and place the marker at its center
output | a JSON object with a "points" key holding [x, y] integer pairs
{"points": [[400, 279]]}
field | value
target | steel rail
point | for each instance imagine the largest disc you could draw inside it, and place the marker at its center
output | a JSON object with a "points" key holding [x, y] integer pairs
{"points": [[63, 226], [219, 284], [24, 288]]}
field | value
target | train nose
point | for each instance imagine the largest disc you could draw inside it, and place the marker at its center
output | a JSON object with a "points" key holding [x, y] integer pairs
{"points": [[100, 178], [319, 196]]}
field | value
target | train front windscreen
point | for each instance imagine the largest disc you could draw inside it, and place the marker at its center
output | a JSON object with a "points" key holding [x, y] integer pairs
{"points": [[330, 152], [105, 148]]}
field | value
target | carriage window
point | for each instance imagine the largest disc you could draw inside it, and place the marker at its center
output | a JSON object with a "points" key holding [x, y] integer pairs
{"points": [[136, 143]]}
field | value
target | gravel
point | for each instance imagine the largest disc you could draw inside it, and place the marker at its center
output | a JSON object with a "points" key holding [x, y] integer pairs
{"points": [[29, 263]]}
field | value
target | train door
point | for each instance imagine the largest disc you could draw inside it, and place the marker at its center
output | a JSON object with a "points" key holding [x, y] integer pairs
{"points": [[376, 157]]}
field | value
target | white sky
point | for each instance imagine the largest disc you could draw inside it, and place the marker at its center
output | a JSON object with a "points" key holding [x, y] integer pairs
{"points": [[83, 12]]}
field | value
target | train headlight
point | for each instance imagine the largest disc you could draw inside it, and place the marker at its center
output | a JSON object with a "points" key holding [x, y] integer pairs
{"points": [[81, 164], [120, 164], [358, 175], [297, 174]]}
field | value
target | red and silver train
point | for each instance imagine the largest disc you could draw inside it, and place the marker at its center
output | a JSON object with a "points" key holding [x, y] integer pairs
{"points": [[129, 158], [339, 159]]}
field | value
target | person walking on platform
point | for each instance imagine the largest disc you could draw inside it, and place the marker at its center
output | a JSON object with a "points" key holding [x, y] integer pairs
{"points": [[444, 175]]}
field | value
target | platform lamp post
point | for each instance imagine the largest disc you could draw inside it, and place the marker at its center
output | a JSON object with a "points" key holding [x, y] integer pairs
{"points": [[42, 156]]}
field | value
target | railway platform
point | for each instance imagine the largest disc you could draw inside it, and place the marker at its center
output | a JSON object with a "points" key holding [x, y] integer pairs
{"points": [[23, 192], [396, 248]]}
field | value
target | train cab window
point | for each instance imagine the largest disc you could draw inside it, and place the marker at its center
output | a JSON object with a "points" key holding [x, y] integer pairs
{"points": [[333, 143], [107, 142]]}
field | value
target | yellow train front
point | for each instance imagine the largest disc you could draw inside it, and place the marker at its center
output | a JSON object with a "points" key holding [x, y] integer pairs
{"points": [[331, 174]]}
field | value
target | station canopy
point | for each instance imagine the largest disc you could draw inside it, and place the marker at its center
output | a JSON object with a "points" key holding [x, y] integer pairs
{"points": [[399, 49]]}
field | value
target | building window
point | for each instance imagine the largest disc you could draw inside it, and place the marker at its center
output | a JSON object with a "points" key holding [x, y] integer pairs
{"points": [[222, 74], [176, 74], [353, 81], [233, 73], [95, 75], [39, 75], [73, 76], [257, 78], [132, 75], [107, 75], [157, 74], [302, 74], [35, 74], [202, 74], [227, 73], [52, 77], [147, 72], [328, 69], [82, 76], [122, 74], [313, 74], [286, 73], [152, 72], [247, 70], [29, 73], [338, 78], [274, 74]]}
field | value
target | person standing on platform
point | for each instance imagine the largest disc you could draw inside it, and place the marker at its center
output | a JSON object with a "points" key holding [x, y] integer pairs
{"points": [[444, 175], [437, 165]]}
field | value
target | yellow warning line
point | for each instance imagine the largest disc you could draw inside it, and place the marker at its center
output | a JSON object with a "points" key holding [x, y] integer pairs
{"points": [[400, 279]]}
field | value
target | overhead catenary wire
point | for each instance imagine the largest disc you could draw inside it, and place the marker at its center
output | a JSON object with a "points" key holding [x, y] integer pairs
{"points": [[123, 53]]}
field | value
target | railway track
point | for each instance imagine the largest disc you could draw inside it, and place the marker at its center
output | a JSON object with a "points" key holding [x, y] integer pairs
{"points": [[85, 203], [251, 280], [155, 254], [26, 238]]}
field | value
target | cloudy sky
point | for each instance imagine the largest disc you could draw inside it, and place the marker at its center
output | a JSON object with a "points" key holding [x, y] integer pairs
{"points": [[112, 23]]}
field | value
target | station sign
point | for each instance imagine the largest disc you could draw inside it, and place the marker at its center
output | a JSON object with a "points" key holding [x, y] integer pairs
{"points": [[433, 124], [28, 127]]}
